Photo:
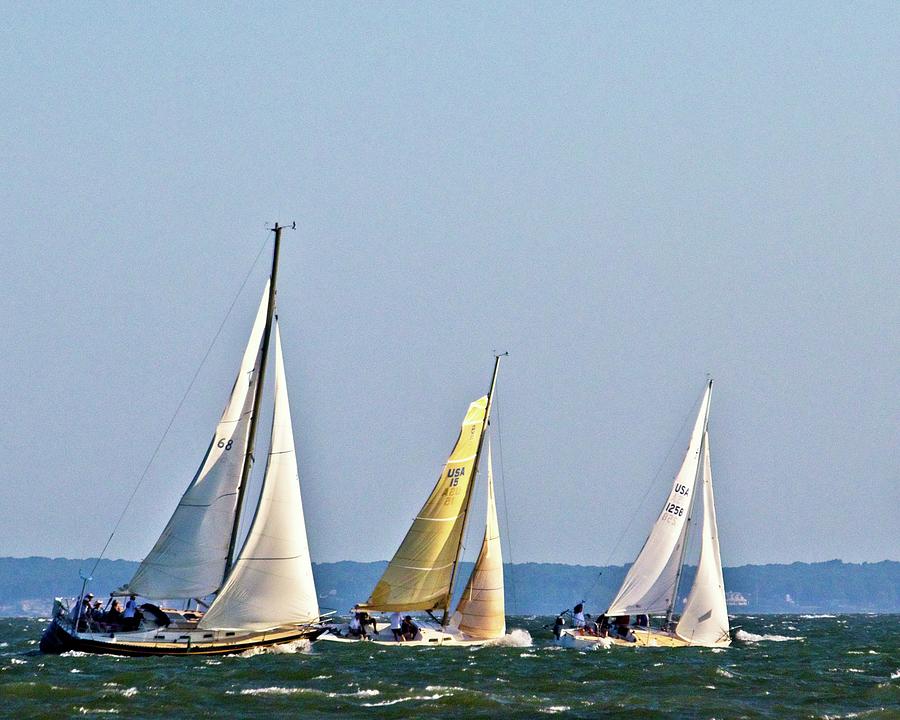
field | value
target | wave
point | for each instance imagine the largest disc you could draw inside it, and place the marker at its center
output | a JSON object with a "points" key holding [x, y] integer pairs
{"points": [[514, 638], [817, 617], [749, 637]]}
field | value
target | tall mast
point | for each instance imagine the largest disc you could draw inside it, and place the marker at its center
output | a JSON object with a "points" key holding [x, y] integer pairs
{"points": [[687, 523], [257, 400], [462, 534]]}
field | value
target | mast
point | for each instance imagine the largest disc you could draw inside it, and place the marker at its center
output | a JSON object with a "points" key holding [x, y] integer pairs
{"points": [[257, 400], [462, 534], [687, 524]]}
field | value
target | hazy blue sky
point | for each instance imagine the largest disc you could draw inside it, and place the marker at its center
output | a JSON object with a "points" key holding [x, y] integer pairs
{"points": [[624, 198]]}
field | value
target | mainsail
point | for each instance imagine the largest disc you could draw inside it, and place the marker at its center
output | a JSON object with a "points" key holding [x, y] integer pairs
{"points": [[704, 620], [481, 612], [651, 581], [271, 582], [420, 573], [189, 558]]}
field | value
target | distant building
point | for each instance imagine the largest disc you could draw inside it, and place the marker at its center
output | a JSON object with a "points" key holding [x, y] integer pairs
{"points": [[736, 599]]}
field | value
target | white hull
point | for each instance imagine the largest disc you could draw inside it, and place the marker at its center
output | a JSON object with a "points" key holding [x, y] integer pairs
{"points": [[428, 636]]}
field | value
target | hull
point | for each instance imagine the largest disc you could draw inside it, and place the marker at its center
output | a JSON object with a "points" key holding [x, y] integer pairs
{"points": [[426, 637], [642, 638], [59, 638]]}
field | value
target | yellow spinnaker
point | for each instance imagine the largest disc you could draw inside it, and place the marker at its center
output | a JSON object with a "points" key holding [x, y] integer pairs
{"points": [[418, 577]]}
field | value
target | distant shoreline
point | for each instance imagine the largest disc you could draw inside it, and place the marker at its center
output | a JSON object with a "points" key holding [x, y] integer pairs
{"points": [[28, 585]]}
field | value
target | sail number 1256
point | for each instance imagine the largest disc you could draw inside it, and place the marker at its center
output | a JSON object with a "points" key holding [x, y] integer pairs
{"points": [[676, 510]]}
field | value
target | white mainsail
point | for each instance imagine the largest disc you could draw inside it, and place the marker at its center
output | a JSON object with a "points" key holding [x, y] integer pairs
{"points": [[189, 558], [704, 620], [271, 583], [648, 586], [481, 612]]}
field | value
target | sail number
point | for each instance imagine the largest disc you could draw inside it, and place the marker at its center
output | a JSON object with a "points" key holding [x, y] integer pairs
{"points": [[223, 444], [454, 474], [676, 510], [681, 489]]}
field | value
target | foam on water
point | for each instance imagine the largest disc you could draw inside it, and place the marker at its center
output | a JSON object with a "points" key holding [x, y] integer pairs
{"points": [[297, 646], [749, 637]]}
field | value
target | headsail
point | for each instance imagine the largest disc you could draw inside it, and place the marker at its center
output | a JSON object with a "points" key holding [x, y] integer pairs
{"points": [[188, 559], [419, 575], [481, 612], [704, 620], [651, 580], [271, 582]]}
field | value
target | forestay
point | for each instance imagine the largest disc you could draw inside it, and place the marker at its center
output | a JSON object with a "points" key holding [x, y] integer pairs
{"points": [[189, 558], [704, 620], [418, 577], [271, 583], [648, 586], [481, 612]]}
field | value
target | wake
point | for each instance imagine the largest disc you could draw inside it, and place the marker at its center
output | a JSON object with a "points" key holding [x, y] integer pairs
{"points": [[514, 638]]}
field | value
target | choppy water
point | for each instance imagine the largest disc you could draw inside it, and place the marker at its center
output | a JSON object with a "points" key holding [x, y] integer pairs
{"points": [[786, 666]]}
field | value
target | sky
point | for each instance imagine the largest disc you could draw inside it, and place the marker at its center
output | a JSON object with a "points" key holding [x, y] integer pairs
{"points": [[624, 197]]}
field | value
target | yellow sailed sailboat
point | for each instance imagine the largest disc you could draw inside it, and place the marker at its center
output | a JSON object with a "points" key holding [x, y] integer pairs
{"points": [[420, 577], [651, 584]]}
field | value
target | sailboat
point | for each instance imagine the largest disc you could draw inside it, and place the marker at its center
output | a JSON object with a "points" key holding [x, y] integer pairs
{"points": [[260, 595], [420, 577], [651, 584]]}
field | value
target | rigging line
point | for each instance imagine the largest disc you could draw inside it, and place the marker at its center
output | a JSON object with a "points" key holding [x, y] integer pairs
{"points": [[512, 581], [647, 490], [165, 434]]}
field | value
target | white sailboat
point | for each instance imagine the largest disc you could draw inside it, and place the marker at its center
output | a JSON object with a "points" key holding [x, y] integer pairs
{"points": [[651, 584], [420, 576], [262, 595]]}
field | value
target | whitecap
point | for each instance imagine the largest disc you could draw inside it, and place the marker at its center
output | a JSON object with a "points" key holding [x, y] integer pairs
{"points": [[895, 675], [724, 673], [554, 709], [18, 661], [817, 617], [382, 703], [96, 711], [749, 637]]}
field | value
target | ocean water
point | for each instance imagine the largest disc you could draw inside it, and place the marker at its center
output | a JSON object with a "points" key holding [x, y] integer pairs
{"points": [[783, 666]]}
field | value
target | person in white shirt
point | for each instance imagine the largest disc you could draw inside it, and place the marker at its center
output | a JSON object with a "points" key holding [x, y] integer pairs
{"points": [[578, 615], [130, 614], [396, 622]]}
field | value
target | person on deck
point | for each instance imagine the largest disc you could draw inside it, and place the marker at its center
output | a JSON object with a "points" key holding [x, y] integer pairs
{"points": [[114, 617], [82, 611], [356, 628], [603, 625], [130, 617], [97, 613], [396, 624], [408, 628], [558, 626], [578, 615]]}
